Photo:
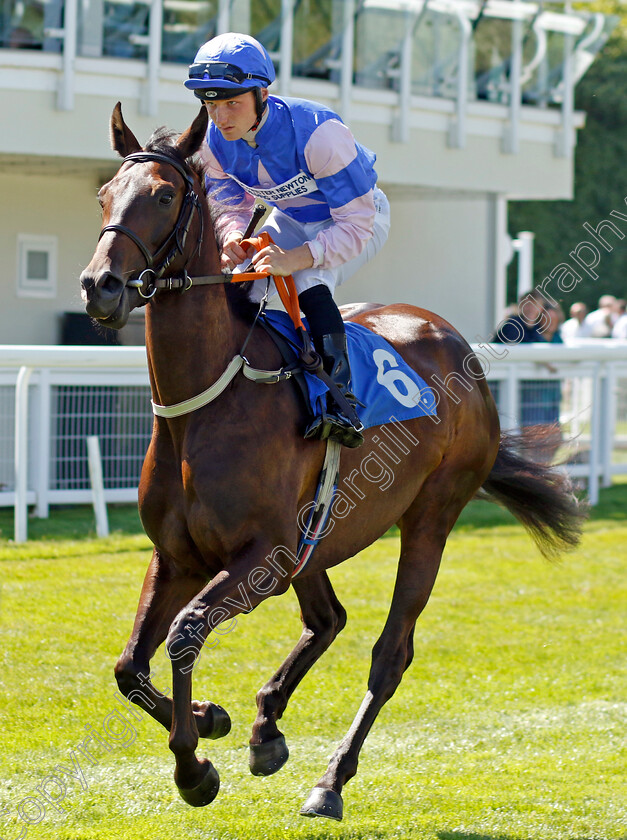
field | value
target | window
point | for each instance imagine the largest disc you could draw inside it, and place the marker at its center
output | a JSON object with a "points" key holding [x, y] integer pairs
{"points": [[37, 266]]}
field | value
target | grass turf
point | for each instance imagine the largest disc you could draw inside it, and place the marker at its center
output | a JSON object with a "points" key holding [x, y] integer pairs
{"points": [[509, 725]]}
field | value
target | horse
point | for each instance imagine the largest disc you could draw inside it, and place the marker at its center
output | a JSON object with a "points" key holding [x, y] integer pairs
{"points": [[222, 485]]}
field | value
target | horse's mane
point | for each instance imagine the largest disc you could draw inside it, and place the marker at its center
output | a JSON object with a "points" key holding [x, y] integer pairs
{"points": [[163, 140]]}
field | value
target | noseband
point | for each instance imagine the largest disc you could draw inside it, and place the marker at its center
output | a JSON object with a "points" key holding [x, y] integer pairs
{"points": [[175, 243]]}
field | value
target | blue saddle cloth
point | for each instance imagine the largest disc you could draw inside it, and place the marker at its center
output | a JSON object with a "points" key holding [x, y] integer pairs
{"points": [[381, 379]]}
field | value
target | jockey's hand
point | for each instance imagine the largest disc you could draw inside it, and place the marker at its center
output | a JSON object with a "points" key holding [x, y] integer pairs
{"points": [[275, 260], [232, 253]]}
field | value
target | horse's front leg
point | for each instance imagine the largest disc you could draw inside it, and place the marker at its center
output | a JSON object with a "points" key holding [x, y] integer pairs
{"points": [[163, 595], [323, 618], [247, 581]]}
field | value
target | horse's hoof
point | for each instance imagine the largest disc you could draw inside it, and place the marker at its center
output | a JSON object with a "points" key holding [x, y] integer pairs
{"points": [[323, 802], [265, 759], [205, 792], [212, 721]]}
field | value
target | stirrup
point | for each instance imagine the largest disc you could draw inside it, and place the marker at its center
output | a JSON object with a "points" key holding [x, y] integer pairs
{"points": [[335, 427]]}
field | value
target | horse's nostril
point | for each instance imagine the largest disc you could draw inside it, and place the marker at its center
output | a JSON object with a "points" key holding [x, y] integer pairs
{"points": [[111, 285], [87, 281], [102, 292], [103, 285]]}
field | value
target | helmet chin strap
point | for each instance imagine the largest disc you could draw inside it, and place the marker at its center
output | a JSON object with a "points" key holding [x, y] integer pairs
{"points": [[260, 106]]}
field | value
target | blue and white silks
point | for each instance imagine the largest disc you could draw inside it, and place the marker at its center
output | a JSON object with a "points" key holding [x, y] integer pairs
{"points": [[282, 142], [381, 379]]}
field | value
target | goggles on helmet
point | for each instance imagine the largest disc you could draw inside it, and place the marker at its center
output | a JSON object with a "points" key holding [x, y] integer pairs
{"points": [[222, 70]]}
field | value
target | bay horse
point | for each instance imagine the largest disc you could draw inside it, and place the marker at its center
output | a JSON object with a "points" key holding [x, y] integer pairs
{"points": [[222, 486]]}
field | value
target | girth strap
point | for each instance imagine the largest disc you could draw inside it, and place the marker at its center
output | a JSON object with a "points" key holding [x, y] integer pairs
{"points": [[237, 363]]}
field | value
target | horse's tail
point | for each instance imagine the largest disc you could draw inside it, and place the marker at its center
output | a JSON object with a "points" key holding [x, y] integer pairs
{"points": [[540, 496]]}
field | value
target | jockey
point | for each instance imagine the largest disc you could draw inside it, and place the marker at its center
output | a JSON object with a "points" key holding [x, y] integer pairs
{"points": [[328, 216]]}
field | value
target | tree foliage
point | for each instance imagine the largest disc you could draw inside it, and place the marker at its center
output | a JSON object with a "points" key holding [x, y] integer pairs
{"points": [[600, 180]]}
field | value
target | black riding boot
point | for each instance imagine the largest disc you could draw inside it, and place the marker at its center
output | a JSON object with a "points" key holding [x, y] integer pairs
{"points": [[333, 424], [329, 337]]}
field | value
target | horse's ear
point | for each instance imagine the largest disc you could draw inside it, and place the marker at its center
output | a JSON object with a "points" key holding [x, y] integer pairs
{"points": [[123, 141], [190, 140]]}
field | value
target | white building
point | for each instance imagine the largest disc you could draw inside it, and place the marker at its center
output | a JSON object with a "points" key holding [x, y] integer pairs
{"points": [[467, 103]]}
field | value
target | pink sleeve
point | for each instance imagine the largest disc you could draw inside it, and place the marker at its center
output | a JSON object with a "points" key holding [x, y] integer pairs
{"points": [[228, 216], [330, 149]]}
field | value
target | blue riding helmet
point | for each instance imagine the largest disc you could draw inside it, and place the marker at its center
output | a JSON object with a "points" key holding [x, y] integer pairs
{"points": [[230, 64]]}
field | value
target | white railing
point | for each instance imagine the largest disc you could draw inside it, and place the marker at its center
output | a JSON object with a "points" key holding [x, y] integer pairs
{"points": [[591, 403], [53, 398], [84, 368]]}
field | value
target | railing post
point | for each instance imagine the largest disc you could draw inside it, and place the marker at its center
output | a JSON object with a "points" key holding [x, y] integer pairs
{"points": [[457, 129], [21, 455], [595, 431], [400, 125], [610, 385], [65, 98], [346, 71], [42, 480], [94, 461], [224, 17], [501, 256], [287, 36], [523, 246], [149, 104], [509, 410], [564, 141], [511, 138]]}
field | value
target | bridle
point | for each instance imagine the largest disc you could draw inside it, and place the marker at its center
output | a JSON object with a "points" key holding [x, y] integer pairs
{"points": [[158, 263]]}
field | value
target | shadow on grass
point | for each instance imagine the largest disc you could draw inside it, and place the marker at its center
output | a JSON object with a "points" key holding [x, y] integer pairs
{"points": [[368, 834], [348, 834], [465, 835]]}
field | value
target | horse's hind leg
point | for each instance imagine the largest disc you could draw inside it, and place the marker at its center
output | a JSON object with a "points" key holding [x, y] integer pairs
{"points": [[162, 597], [421, 551], [323, 618]]}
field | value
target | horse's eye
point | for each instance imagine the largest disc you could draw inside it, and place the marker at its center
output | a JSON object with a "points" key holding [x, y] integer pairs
{"points": [[166, 198]]}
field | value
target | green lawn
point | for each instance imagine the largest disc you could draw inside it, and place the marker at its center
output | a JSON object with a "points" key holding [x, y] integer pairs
{"points": [[510, 724]]}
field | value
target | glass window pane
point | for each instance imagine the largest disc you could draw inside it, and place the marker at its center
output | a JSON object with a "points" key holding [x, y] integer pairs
{"points": [[378, 37], [317, 38], [37, 265], [125, 29], [23, 24], [187, 25]]}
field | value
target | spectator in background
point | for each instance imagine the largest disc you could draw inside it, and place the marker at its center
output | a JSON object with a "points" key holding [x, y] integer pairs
{"points": [[619, 308], [619, 330], [527, 325], [602, 319], [555, 315], [576, 326]]}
